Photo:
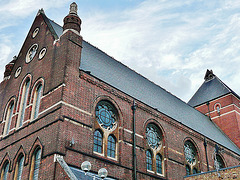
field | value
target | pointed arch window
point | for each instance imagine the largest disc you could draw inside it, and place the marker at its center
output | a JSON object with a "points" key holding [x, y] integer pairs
{"points": [[35, 164], [191, 158], [23, 103], [106, 136], [159, 163], [98, 141], [149, 160], [111, 148], [219, 163], [155, 152], [19, 168], [36, 101], [4, 173], [9, 114]]}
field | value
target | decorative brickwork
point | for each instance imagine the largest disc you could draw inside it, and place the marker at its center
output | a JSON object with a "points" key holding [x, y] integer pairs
{"points": [[67, 116]]}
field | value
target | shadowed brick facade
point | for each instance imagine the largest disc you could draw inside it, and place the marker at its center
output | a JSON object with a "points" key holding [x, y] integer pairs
{"points": [[76, 76]]}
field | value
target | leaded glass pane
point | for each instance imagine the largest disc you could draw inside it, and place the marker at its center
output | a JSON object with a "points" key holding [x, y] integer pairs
{"points": [[159, 163], [106, 115], [190, 152], [111, 148], [9, 116], [97, 142], [38, 98], [5, 171], [219, 162], [149, 160], [24, 102], [187, 170], [20, 168], [37, 164], [154, 137]]}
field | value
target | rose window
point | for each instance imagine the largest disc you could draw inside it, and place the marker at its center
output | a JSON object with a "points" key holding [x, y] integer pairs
{"points": [[153, 136], [106, 115]]}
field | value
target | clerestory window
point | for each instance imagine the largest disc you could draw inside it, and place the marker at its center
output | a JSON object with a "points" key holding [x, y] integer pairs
{"points": [[36, 101], [8, 119], [23, 103]]}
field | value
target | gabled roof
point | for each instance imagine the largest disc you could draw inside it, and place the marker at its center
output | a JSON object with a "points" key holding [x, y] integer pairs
{"points": [[116, 74], [211, 89]]}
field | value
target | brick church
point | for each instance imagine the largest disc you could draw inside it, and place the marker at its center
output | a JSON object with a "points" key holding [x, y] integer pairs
{"points": [[64, 102]]}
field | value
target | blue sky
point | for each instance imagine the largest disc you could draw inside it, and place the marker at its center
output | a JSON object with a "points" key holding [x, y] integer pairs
{"points": [[170, 42]]}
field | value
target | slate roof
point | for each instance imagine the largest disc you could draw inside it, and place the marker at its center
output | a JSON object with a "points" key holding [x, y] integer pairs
{"points": [[209, 90], [116, 74]]}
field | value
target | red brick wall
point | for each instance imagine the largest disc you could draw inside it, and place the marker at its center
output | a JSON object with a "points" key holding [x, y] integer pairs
{"points": [[67, 111], [228, 119]]}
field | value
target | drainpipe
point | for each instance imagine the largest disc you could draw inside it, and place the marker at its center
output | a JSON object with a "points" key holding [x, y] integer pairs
{"points": [[134, 142], [209, 110], [205, 146]]}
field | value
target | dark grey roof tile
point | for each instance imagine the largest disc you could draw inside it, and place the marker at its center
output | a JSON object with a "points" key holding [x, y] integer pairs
{"points": [[128, 81]]}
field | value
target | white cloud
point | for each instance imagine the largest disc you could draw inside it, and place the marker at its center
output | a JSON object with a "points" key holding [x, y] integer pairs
{"points": [[183, 38], [170, 42]]}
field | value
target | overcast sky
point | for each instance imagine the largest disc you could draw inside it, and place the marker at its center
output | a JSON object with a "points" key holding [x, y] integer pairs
{"points": [[170, 42]]}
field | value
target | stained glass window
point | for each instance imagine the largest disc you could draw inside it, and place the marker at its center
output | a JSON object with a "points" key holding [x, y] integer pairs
{"points": [[9, 118], [4, 173], [219, 162], [97, 141], [159, 163], [153, 136], [191, 158], [149, 160], [190, 152], [111, 147], [36, 162], [106, 115], [19, 168], [24, 101], [37, 99]]}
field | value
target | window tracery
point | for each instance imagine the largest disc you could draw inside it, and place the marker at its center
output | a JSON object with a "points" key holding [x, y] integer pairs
{"points": [[154, 155], [106, 135], [106, 115], [191, 158]]}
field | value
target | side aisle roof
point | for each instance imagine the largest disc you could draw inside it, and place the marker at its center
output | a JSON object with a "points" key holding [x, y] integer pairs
{"points": [[116, 74]]}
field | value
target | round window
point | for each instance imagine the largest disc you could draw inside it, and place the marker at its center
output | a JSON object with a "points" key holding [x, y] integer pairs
{"points": [[106, 115], [18, 71], [42, 53], [31, 53], [154, 137], [35, 32]]}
